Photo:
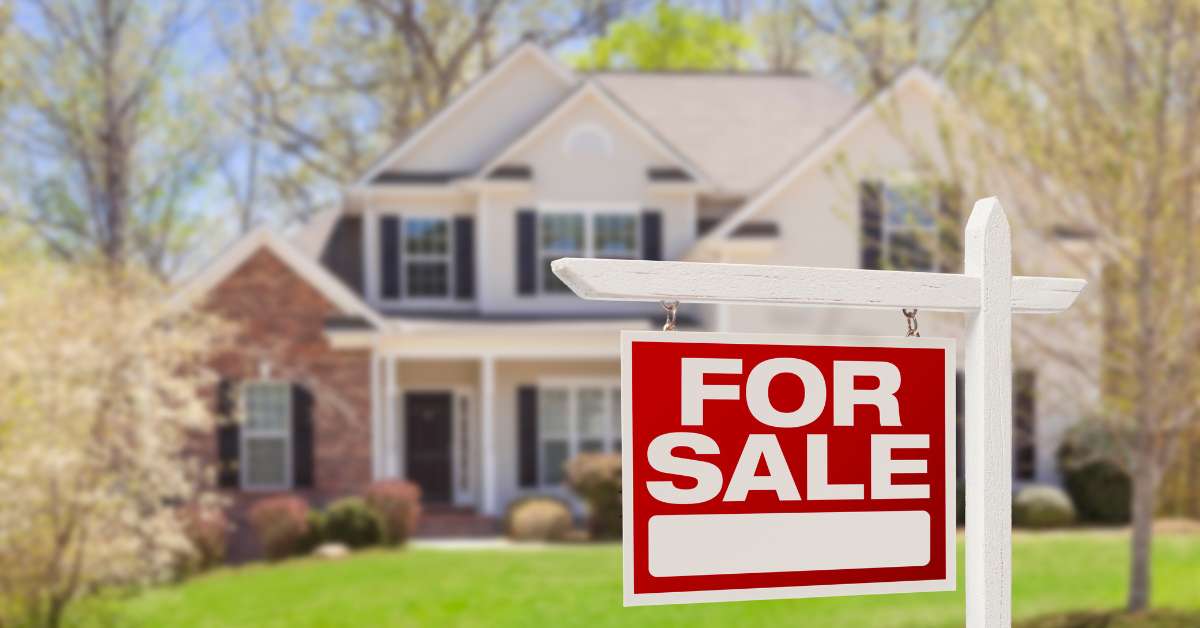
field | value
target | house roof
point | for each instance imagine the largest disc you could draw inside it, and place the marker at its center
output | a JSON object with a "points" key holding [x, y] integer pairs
{"points": [[741, 129]]}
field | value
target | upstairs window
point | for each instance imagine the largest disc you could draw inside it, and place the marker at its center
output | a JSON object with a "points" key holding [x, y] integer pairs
{"points": [[427, 258], [267, 436], [578, 234]]}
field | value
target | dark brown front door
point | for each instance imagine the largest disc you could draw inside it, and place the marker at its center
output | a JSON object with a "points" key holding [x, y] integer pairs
{"points": [[427, 443]]}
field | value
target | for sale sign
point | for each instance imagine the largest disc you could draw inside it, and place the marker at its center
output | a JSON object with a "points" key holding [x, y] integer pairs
{"points": [[766, 466]]}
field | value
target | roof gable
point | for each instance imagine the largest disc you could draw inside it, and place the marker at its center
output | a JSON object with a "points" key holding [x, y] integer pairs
{"points": [[484, 118]]}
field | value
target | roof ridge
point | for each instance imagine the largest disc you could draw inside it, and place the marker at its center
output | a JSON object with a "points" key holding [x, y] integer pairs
{"points": [[753, 73]]}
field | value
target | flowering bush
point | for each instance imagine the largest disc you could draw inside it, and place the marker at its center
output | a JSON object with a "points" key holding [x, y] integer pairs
{"points": [[398, 504], [207, 528], [538, 519], [597, 479], [281, 525]]}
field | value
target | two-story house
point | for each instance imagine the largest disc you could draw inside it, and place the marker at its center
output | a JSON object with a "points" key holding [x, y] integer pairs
{"points": [[417, 332]]}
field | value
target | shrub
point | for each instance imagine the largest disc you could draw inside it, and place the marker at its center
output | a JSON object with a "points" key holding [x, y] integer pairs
{"points": [[538, 519], [960, 503], [351, 522], [315, 534], [398, 504], [1098, 486], [206, 528], [281, 525], [597, 479], [1042, 507]]}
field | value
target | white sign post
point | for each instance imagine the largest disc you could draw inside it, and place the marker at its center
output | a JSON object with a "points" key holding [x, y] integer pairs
{"points": [[987, 292]]}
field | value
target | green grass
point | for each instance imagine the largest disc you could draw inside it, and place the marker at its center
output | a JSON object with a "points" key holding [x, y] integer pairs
{"points": [[580, 585]]}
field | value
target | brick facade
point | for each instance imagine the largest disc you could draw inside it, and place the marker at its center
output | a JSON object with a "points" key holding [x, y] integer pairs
{"points": [[279, 320]]}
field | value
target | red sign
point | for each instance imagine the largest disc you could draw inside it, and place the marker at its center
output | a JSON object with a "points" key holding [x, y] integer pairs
{"points": [[766, 466]]}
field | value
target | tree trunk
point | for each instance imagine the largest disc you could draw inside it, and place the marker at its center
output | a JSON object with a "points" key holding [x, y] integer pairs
{"points": [[1144, 492]]}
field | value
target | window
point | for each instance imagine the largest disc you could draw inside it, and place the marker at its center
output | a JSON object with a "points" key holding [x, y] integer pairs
{"points": [[427, 257], [574, 420], [577, 234], [266, 435], [1024, 413], [910, 227]]}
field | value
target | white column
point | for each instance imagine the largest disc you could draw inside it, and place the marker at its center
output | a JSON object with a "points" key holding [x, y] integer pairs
{"points": [[487, 419], [394, 441], [988, 452]]}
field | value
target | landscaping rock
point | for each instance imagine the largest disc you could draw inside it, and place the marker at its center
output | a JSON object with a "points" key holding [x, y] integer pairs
{"points": [[331, 551]]}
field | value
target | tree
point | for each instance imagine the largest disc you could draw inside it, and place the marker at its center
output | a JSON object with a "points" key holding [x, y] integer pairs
{"points": [[1091, 111], [105, 144], [669, 38], [94, 420]]}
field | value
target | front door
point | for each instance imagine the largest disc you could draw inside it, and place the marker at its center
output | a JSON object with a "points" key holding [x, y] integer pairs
{"points": [[427, 419]]}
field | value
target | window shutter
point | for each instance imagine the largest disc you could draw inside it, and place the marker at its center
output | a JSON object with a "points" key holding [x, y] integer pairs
{"points": [[228, 434], [527, 436], [464, 257], [526, 252], [389, 256], [870, 219], [1025, 424], [652, 234], [950, 228], [302, 437]]}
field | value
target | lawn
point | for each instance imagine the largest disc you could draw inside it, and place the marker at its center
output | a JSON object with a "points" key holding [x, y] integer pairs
{"points": [[580, 585]]}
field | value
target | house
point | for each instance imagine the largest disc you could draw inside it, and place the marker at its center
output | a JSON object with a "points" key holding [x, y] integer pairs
{"points": [[416, 331]]}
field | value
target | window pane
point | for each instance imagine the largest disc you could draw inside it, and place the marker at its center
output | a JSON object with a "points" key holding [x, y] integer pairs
{"points": [[550, 281], [615, 235], [267, 407], [554, 456], [592, 415], [553, 414], [592, 445], [910, 250], [562, 232], [427, 236], [908, 206], [427, 279], [265, 459]]}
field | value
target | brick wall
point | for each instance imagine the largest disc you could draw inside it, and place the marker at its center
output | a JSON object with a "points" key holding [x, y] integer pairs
{"points": [[279, 321]]}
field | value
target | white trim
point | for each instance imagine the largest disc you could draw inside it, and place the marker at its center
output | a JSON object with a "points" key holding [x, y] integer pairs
{"points": [[948, 583], [823, 148], [308, 269], [245, 434], [443, 115], [591, 89]]}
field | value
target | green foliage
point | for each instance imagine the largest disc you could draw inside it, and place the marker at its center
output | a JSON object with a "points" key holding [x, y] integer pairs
{"points": [[597, 479], [1042, 507], [352, 522], [538, 518], [1100, 489], [1156, 619], [668, 38]]}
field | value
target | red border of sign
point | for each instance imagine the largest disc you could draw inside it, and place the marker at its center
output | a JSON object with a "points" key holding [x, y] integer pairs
{"points": [[828, 590]]}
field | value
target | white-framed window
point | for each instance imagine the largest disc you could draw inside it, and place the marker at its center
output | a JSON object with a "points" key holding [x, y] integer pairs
{"points": [[266, 435], [427, 260], [910, 229], [575, 418], [610, 234]]}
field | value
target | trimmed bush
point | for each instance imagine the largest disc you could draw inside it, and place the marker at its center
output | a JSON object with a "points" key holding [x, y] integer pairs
{"points": [[597, 479], [316, 532], [281, 525], [1098, 486], [351, 522], [207, 529], [398, 504], [538, 519], [1042, 507]]}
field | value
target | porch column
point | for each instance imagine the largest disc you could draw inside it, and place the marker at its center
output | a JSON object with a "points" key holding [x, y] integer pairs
{"points": [[487, 419], [391, 425]]}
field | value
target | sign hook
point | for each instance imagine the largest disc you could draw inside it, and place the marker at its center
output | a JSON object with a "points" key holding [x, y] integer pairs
{"points": [[910, 320], [672, 308]]}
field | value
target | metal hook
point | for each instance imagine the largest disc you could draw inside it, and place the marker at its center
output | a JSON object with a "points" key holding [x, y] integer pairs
{"points": [[910, 320], [672, 308]]}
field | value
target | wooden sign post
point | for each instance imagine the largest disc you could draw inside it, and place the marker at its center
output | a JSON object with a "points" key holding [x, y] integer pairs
{"points": [[986, 292]]}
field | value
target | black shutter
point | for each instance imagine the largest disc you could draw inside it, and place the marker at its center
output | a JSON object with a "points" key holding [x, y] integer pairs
{"points": [[526, 252], [527, 436], [228, 434], [1024, 424], [870, 206], [302, 437], [950, 228], [389, 254], [343, 252], [652, 234], [464, 257]]}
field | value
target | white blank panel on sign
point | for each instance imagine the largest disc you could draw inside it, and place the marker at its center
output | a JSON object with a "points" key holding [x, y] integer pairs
{"points": [[701, 545]]}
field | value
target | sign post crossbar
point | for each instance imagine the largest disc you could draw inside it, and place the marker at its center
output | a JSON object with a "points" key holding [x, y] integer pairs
{"points": [[987, 292]]}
